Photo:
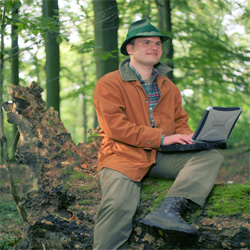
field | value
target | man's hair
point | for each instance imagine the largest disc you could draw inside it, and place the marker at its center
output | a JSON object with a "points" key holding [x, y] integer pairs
{"points": [[132, 41]]}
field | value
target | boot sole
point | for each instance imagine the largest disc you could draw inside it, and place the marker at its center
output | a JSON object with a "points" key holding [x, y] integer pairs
{"points": [[173, 235]]}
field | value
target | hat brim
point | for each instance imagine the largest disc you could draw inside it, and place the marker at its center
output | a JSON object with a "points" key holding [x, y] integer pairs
{"points": [[144, 34]]}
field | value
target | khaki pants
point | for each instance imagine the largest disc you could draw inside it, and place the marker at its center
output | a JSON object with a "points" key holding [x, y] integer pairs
{"points": [[194, 174]]}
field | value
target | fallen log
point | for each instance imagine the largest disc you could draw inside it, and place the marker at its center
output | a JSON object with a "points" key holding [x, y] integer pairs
{"points": [[58, 172], [63, 195]]}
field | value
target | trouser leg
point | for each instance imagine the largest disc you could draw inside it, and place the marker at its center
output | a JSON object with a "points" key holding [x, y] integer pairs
{"points": [[194, 173], [120, 199]]}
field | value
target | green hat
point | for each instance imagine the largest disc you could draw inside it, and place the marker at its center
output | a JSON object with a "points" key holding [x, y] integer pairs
{"points": [[141, 28]]}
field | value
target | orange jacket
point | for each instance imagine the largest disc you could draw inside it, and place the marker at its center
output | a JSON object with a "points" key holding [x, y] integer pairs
{"points": [[129, 143]]}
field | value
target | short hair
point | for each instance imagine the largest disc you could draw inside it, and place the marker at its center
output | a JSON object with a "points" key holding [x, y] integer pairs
{"points": [[132, 41]]}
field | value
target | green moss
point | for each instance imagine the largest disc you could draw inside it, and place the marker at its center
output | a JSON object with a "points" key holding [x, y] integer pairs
{"points": [[229, 200], [69, 152], [224, 200], [87, 202], [52, 123], [66, 186], [154, 190], [68, 170], [93, 136], [77, 181], [73, 208], [76, 176], [86, 188], [79, 176]]}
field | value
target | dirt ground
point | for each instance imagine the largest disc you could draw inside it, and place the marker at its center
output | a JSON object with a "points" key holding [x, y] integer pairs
{"points": [[236, 167]]}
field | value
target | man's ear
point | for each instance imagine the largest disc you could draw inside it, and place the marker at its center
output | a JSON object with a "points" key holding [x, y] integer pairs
{"points": [[129, 48]]}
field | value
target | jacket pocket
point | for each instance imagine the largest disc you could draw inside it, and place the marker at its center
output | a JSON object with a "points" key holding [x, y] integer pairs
{"points": [[131, 153]]}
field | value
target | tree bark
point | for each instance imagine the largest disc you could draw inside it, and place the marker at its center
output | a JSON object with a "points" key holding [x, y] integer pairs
{"points": [[106, 28], [50, 12], [15, 63], [165, 26], [1, 81], [58, 172]]}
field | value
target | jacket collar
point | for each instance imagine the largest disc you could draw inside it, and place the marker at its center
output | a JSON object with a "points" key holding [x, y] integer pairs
{"points": [[128, 75]]}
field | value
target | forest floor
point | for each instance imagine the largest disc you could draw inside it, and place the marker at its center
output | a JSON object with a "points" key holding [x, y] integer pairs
{"points": [[235, 169]]}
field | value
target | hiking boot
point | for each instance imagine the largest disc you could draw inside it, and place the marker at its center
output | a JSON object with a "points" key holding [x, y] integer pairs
{"points": [[166, 221]]}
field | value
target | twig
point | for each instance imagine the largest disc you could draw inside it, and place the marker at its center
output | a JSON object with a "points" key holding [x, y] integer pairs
{"points": [[24, 49], [15, 196], [44, 248]]}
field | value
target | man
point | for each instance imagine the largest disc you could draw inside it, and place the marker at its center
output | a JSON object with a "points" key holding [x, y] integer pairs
{"points": [[139, 109]]}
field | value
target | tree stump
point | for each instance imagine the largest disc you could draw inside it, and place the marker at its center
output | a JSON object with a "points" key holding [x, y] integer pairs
{"points": [[63, 195], [62, 174]]}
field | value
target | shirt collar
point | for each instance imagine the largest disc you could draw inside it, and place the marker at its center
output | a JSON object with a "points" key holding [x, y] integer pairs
{"points": [[154, 74], [127, 73]]}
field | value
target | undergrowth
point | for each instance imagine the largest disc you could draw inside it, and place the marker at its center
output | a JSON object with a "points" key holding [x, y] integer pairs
{"points": [[10, 235]]}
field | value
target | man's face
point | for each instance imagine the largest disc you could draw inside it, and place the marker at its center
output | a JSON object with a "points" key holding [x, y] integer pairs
{"points": [[145, 51]]}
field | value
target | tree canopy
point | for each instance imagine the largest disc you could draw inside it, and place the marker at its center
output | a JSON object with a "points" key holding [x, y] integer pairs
{"points": [[210, 42]]}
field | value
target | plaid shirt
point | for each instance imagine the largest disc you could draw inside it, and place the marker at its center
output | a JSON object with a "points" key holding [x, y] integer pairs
{"points": [[151, 89]]}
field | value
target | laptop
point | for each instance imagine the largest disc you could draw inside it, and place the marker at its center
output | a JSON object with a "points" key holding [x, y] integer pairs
{"points": [[212, 132]]}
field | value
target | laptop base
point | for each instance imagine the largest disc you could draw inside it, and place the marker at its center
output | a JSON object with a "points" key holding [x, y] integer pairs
{"points": [[193, 147]]}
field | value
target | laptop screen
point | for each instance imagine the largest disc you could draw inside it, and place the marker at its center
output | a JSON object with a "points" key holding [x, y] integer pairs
{"points": [[217, 124]]}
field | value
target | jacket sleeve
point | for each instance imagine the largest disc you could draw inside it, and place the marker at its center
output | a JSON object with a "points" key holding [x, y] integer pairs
{"points": [[111, 113], [181, 117]]}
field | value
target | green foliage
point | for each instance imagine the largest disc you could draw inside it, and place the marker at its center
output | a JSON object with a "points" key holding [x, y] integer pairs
{"points": [[211, 56], [9, 242], [9, 215], [211, 61], [9, 212], [85, 47], [107, 55]]}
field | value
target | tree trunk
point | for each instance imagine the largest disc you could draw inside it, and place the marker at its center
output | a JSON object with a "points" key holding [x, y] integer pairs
{"points": [[15, 63], [1, 79], [165, 25], [84, 105], [50, 12], [106, 27]]}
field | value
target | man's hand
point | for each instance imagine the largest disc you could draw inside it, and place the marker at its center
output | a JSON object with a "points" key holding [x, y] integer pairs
{"points": [[178, 138]]}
